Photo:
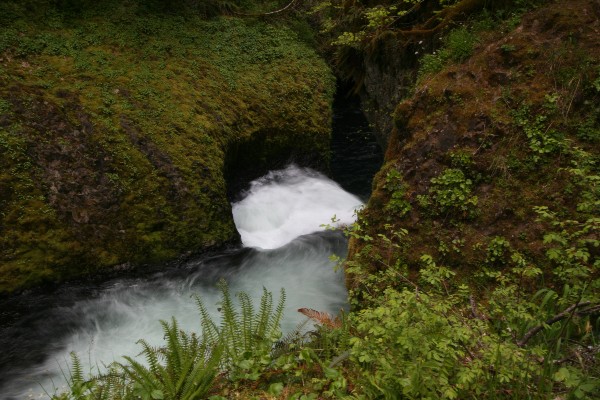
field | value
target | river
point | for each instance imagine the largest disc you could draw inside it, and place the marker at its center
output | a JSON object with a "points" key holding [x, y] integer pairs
{"points": [[279, 217]]}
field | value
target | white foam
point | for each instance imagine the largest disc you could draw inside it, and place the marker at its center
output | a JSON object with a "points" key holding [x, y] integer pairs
{"points": [[289, 203]]}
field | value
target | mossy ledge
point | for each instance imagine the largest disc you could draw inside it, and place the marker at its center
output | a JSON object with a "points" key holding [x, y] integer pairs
{"points": [[118, 127]]}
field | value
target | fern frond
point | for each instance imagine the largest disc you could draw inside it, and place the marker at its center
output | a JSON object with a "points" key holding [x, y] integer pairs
{"points": [[139, 373], [230, 325], [173, 349], [345, 330], [201, 378], [210, 331], [150, 354], [112, 384], [278, 315], [76, 369], [193, 357], [247, 322], [192, 361], [264, 313], [294, 337]]}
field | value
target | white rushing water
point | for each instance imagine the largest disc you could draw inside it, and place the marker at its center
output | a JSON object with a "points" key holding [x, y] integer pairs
{"points": [[278, 218], [288, 203]]}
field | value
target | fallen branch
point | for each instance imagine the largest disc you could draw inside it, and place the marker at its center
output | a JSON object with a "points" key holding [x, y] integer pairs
{"points": [[444, 18], [476, 314], [267, 13], [558, 317]]}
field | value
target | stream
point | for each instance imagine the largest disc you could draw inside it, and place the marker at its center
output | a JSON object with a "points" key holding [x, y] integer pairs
{"points": [[279, 217]]}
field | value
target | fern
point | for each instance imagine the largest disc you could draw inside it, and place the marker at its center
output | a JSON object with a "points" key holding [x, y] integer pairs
{"points": [[275, 321], [76, 369], [248, 336], [111, 385], [186, 366], [176, 345], [210, 331], [230, 324], [188, 371], [247, 315], [296, 338], [321, 317]]}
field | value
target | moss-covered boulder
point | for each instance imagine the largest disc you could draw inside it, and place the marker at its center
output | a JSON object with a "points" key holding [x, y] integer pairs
{"points": [[118, 125], [484, 147]]}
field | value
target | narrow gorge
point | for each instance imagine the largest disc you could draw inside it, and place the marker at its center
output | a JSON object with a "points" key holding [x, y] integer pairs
{"points": [[445, 247]]}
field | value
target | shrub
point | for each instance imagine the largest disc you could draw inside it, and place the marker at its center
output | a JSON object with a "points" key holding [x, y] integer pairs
{"points": [[458, 46], [542, 140], [398, 204], [415, 345]]}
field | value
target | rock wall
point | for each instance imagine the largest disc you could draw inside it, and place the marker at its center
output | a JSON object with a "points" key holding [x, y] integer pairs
{"points": [[388, 78]]}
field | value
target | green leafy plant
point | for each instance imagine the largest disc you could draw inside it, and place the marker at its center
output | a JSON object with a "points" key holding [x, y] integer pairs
{"points": [[398, 203], [589, 130], [542, 139], [247, 336], [458, 46], [189, 368], [416, 344], [571, 245], [497, 251], [461, 159], [450, 194]]}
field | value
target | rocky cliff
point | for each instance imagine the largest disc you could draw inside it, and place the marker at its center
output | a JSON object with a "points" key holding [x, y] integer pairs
{"points": [[474, 269]]}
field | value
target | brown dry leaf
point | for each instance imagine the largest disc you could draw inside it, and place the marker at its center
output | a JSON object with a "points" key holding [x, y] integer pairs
{"points": [[321, 317]]}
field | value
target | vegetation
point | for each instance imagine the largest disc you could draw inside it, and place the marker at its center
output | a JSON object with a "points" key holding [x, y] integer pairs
{"points": [[389, 33], [244, 353], [487, 286], [474, 270]]}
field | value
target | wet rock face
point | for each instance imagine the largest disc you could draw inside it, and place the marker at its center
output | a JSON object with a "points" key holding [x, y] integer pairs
{"points": [[72, 169], [387, 80]]}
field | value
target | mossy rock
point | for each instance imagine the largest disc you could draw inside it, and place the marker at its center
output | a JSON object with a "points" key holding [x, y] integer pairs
{"points": [[511, 123], [118, 128]]}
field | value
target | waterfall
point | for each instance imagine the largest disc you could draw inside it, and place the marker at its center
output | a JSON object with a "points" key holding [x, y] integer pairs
{"points": [[280, 220]]}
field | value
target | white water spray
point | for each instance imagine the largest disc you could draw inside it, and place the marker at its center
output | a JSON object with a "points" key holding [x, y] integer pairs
{"points": [[288, 203]]}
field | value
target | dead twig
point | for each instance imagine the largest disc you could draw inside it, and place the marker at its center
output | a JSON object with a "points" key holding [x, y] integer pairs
{"points": [[267, 13], [558, 317]]}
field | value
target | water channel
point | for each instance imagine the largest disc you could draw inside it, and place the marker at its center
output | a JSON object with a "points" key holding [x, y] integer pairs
{"points": [[279, 217]]}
